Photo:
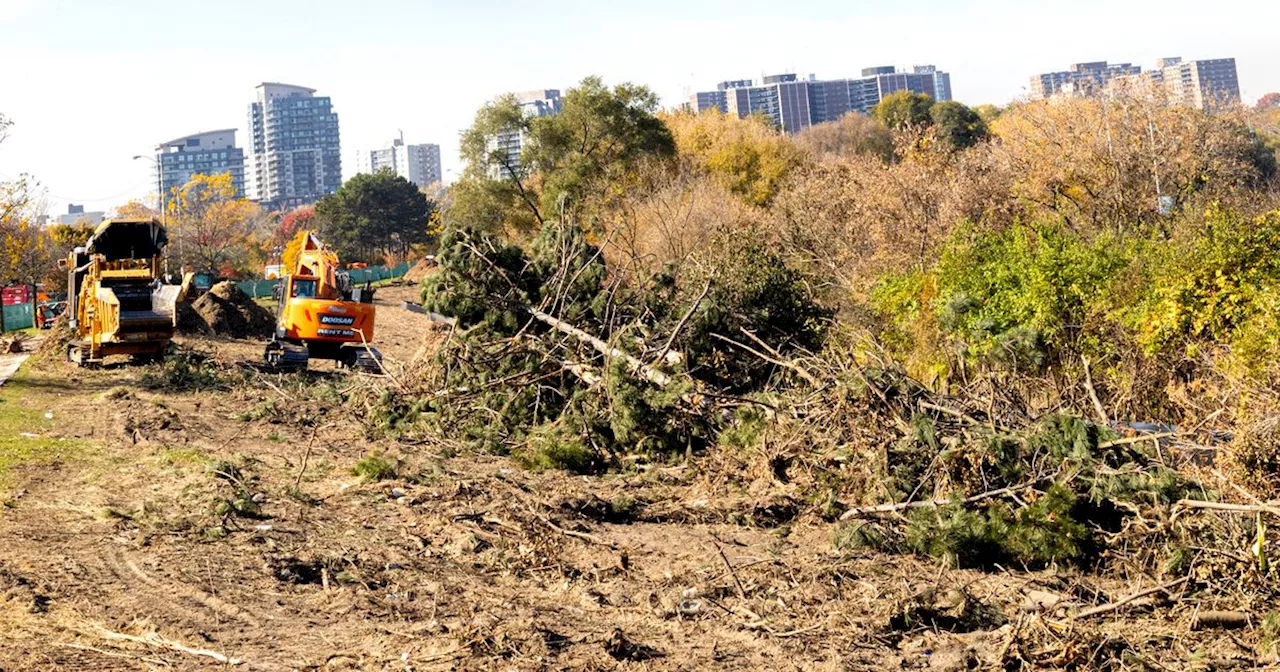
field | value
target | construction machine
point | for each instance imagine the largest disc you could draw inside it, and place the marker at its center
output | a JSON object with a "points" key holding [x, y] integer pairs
{"points": [[116, 302], [319, 315]]}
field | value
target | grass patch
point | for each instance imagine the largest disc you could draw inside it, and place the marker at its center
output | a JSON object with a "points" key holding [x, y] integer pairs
{"points": [[183, 457], [375, 467], [23, 404]]}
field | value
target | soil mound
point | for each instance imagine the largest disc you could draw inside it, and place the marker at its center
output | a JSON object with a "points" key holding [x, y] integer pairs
{"points": [[58, 336], [226, 311], [420, 270], [190, 321]]}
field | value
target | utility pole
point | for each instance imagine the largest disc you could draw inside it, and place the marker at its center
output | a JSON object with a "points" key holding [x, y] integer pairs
{"points": [[164, 211]]}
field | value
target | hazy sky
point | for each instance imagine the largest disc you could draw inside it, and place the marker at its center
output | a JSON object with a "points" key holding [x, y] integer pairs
{"points": [[91, 83]]}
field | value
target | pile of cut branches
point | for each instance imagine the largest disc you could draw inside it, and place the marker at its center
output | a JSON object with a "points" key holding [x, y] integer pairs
{"points": [[565, 363]]}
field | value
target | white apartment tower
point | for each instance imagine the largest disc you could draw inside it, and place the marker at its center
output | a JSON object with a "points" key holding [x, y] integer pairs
{"points": [[294, 145], [419, 164], [507, 145]]}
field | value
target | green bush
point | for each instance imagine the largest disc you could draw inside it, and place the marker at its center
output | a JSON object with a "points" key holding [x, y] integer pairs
{"points": [[555, 448], [1213, 280], [1020, 296]]}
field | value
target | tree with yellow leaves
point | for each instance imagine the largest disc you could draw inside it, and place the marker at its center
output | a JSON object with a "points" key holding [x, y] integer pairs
{"points": [[210, 227], [26, 251], [747, 156], [136, 210], [1111, 162]]}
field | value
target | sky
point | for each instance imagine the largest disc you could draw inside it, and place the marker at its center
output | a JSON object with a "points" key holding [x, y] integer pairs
{"points": [[89, 84]]}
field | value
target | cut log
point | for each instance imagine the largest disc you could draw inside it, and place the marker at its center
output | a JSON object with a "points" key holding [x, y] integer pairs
{"points": [[1224, 620]]}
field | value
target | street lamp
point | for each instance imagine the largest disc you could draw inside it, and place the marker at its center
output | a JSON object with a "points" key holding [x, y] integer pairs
{"points": [[164, 212]]}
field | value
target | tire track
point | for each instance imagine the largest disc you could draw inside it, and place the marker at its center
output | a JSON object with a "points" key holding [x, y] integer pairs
{"points": [[168, 593]]}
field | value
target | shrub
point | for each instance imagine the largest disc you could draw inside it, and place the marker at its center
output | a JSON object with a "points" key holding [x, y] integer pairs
{"points": [[1021, 295], [551, 447], [1213, 280]]}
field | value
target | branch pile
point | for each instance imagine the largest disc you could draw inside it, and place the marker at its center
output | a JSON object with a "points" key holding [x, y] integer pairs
{"points": [[566, 363]]}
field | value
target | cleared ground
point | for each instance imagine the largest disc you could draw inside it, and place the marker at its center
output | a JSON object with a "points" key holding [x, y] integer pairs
{"points": [[145, 527]]}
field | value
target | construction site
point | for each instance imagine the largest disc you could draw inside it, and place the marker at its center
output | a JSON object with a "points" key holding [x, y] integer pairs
{"points": [[194, 505], [643, 386]]}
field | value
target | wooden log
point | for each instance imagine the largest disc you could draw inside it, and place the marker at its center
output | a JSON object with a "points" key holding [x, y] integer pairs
{"points": [[1224, 620]]}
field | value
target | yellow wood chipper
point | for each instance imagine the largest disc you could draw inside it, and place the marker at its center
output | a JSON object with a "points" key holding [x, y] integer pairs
{"points": [[117, 303]]}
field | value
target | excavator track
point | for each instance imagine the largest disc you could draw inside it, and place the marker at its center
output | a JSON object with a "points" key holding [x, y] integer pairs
{"points": [[285, 355], [81, 354], [363, 358]]}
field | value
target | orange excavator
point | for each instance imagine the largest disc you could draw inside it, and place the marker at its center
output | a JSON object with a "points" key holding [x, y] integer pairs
{"points": [[321, 316]]}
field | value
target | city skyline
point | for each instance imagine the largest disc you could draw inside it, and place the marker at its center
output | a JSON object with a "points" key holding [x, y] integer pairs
{"points": [[70, 78], [1203, 83]]}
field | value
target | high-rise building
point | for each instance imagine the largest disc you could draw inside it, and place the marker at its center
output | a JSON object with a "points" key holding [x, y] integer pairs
{"points": [[705, 100], [1081, 79], [536, 103], [793, 104], [1204, 84], [420, 164], [211, 153], [295, 146]]}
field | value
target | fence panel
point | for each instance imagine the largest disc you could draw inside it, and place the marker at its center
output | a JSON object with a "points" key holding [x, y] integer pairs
{"points": [[262, 288], [257, 288], [18, 316]]}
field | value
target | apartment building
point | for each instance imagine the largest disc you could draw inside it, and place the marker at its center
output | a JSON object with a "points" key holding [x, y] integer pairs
{"points": [[1080, 79], [209, 153], [295, 146], [793, 104], [1205, 84], [419, 164], [536, 103]]}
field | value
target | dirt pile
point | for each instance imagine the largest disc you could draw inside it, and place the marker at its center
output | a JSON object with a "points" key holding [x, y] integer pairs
{"points": [[57, 337], [190, 321], [421, 270], [225, 311]]}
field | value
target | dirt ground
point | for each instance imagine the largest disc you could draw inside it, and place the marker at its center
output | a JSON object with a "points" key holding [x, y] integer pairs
{"points": [[148, 528]]}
